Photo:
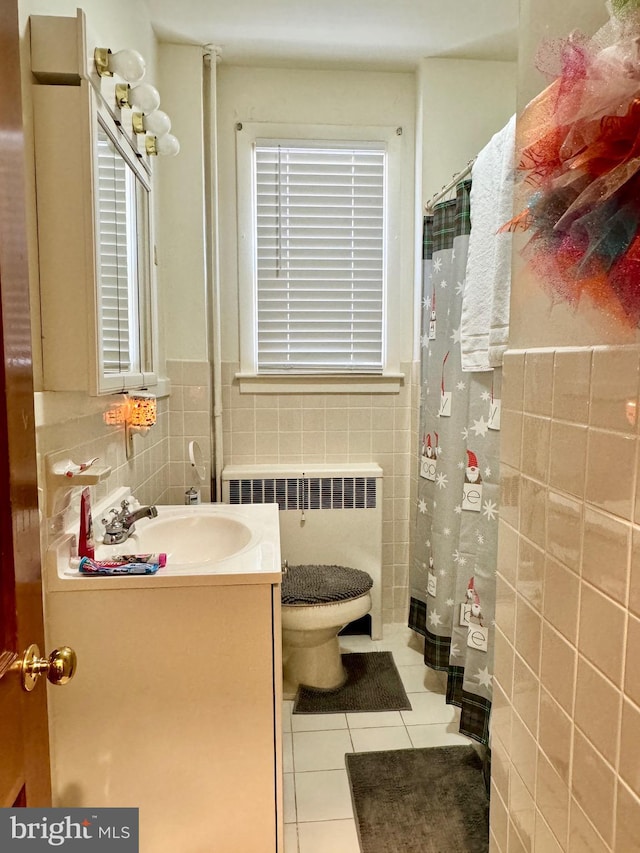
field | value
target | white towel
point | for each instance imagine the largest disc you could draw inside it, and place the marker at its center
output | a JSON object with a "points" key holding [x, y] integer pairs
{"points": [[484, 329]]}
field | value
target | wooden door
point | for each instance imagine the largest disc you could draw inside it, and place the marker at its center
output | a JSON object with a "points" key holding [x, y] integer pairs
{"points": [[24, 750]]}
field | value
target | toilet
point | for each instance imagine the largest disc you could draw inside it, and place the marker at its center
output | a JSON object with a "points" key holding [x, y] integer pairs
{"points": [[317, 602]]}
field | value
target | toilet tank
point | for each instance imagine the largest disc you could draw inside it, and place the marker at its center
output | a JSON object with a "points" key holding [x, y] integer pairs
{"points": [[329, 514]]}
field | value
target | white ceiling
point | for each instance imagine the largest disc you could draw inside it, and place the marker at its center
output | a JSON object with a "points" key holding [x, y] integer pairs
{"points": [[386, 34]]}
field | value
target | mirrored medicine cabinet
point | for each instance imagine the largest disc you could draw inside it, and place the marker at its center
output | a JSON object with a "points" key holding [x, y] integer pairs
{"points": [[94, 214]]}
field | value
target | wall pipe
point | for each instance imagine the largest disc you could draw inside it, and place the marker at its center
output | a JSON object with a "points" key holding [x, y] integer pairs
{"points": [[211, 57]]}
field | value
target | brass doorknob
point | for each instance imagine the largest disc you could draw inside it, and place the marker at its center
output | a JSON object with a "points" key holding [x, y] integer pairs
{"points": [[59, 667]]}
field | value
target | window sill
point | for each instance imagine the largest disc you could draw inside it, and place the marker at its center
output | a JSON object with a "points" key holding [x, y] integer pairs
{"points": [[388, 383]]}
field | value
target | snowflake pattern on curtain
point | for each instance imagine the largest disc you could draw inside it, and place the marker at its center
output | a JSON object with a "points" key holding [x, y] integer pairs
{"points": [[454, 566]]}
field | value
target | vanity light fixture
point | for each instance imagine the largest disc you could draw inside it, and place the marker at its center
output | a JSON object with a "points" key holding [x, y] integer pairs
{"points": [[156, 123], [167, 145], [127, 63], [144, 97], [141, 415]]}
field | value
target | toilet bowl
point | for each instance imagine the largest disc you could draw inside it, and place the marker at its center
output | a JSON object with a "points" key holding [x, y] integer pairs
{"points": [[317, 602]]}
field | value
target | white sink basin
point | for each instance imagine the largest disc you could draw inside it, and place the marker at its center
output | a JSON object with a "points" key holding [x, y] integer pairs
{"points": [[205, 544], [189, 536], [190, 539]]}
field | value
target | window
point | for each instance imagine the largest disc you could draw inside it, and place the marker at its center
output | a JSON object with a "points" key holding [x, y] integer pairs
{"points": [[319, 226], [315, 210], [123, 297]]}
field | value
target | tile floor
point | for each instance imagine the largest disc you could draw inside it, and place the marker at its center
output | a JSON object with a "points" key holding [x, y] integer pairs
{"points": [[318, 815]]}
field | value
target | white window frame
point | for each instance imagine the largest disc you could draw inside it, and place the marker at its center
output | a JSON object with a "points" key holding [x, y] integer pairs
{"points": [[389, 380]]}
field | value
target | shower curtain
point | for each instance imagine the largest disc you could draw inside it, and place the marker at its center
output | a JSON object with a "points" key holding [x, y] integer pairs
{"points": [[453, 571]]}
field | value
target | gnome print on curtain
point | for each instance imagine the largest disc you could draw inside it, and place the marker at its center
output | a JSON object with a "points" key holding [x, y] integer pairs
{"points": [[472, 488], [471, 616], [453, 568], [429, 458]]}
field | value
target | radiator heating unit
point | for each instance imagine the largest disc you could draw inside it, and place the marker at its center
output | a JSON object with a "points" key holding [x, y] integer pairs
{"points": [[329, 514]]}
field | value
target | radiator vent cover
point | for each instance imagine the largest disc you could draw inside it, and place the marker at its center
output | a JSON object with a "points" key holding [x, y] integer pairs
{"points": [[306, 492]]}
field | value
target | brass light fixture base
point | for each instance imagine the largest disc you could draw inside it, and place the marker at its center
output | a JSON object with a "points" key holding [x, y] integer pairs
{"points": [[101, 59], [122, 95]]}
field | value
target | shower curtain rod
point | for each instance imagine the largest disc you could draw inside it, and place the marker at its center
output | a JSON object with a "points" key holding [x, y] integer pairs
{"points": [[436, 197]]}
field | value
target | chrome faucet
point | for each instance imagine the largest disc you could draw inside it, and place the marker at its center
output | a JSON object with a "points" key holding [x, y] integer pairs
{"points": [[121, 525]]}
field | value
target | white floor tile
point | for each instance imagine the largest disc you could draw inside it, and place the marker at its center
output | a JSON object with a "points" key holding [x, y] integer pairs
{"points": [[287, 753], [291, 838], [357, 643], [402, 655], [398, 631], [370, 740], [429, 708], [418, 678], [414, 678], [321, 750], [436, 680], [323, 795], [374, 719], [317, 722], [289, 796], [287, 707], [437, 734], [329, 836]]}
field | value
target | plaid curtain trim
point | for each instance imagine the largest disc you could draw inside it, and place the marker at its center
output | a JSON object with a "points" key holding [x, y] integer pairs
{"points": [[474, 710], [436, 651], [463, 209], [418, 615], [444, 225], [474, 717], [427, 238], [450, 219]]}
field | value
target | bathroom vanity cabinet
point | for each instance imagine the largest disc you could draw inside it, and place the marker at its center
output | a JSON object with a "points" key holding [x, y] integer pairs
{"points": [[175, 707]]}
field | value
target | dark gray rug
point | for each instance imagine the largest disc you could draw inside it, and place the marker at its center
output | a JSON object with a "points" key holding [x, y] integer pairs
{"points": [[373, 684], [420, 800]]}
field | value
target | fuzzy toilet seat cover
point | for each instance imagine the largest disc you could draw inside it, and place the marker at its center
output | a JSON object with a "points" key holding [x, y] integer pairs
{"points": [[323, 584]]}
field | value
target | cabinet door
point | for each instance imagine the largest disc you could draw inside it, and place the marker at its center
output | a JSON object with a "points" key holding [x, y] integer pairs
{"points": [[177, 713], [94, 244]]}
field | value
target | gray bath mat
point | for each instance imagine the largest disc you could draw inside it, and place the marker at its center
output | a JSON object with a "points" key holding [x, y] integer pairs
{"points": [[420, 800], [373, 684]]}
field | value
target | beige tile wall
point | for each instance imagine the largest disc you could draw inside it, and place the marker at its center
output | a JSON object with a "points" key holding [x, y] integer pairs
{"points": [[291, 428], [257, 428], [190, 419], [159, 471], [566, 721], [86, 434]]}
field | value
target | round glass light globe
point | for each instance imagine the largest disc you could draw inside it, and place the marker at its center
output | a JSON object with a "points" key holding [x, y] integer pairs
{"points": [[157, 123], [145, 97], [167, 145], [128, 64]]}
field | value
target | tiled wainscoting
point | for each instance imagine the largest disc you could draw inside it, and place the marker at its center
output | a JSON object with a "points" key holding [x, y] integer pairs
{"points": [[566, 720], [259, 428], [316, 428], [78, 425]]}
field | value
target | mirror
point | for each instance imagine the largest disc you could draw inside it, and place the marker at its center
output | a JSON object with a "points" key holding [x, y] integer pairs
{"points": [[123, 298]]}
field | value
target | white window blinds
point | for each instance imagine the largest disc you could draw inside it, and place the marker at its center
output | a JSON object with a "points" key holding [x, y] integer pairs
{"points": [[117, 256], [320, 226]]}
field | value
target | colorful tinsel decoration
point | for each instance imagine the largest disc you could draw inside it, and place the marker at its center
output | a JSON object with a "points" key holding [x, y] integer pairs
{"points": [[579, 160]]}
